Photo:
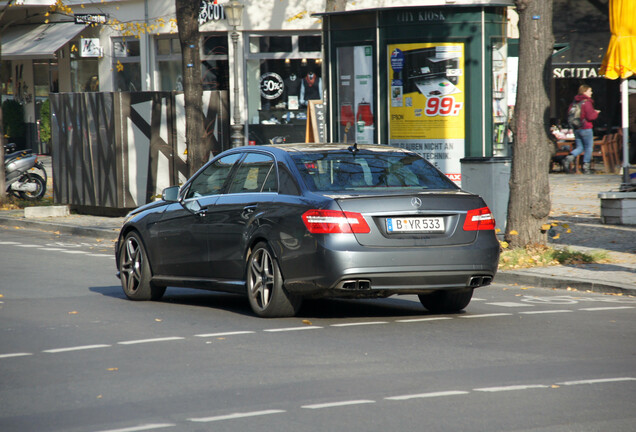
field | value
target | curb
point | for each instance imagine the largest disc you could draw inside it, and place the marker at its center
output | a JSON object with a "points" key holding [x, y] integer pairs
{"points": [[108, 233], [544, 281]]}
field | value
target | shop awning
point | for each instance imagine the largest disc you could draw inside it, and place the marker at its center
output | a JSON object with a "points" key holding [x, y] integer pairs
{"points": [[37, 41]]}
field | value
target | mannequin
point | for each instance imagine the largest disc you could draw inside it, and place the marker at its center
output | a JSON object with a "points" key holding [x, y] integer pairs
{"points": [[311, 88], [292, 86]]}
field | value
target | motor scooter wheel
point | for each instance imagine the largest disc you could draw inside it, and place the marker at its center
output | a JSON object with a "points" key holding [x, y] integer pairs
{"points": [[40, 187]]}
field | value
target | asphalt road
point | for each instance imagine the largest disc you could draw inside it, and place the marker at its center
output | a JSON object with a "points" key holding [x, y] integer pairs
{"points": [[75, 355]]}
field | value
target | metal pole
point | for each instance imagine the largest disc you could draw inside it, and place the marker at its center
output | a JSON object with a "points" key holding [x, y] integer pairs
{"points": [[625, 129], [237, 129]]}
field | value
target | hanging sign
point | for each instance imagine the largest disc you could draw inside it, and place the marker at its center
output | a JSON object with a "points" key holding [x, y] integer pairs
{"points": [[90, 18]]}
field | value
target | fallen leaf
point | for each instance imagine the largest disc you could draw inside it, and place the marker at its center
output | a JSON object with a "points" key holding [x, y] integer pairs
{"points": [[546, 227], [555, 386], [112, 369], [307, 322], [513, 232], [73, 313], [158, 319]]}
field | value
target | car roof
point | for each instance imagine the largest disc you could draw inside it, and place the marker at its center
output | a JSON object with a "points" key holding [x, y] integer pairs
{"points": [[303, 147]]}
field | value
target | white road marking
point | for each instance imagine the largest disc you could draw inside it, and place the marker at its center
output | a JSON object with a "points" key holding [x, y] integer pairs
{"points": [[142, 427], [141, 341], [52, 249], [27, 245], [235, 416], [545, 312], [606, 308], [423, 319], [284, 329], [597, 381], [428, 395], [76, 348], [509, 304], [15, 355], [510, 388], [9, 243], [359, 324], [73, 252], [486, 315], [338, 404], [209, 335]]}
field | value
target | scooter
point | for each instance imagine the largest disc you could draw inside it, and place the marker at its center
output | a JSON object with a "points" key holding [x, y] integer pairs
{"points": [[20, 179]]}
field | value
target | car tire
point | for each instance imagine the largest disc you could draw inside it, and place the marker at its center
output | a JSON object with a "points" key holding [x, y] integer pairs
{"points": [[265, 291], [135, 274], [446, 301]]}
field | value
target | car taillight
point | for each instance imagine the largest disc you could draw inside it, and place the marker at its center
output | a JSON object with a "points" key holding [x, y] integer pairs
{"points": [[334, 221], [479, 219]]}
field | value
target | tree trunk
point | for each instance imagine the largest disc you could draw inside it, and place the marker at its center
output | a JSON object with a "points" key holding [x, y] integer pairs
{"points": [[188, 26], [529, 204], [3, 186]]}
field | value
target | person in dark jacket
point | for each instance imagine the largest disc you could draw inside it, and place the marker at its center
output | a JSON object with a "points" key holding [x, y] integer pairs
{"points": [[583, 136]]}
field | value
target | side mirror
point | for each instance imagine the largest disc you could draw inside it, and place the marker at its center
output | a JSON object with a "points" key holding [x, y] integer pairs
{"points": [[170, 194]]}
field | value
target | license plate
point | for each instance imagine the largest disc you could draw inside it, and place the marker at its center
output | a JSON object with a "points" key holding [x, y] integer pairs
{"points": [[415, 224]]}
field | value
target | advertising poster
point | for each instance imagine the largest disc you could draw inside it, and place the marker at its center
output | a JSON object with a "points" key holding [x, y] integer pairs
{"points": [[427, 113]]}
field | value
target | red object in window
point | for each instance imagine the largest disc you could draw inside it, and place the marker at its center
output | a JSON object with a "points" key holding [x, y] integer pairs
{"points": [[346, 114], [364, 113], [479, 219]]}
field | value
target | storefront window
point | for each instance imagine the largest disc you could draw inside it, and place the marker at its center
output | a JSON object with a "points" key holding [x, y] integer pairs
{"points": [[284, 73], [214, 63], [126, 64], [356, 117], [6, 78], [500, 99]]}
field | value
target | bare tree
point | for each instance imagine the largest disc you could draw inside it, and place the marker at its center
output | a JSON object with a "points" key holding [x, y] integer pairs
{"points": [[189, 36], [529, 204]]}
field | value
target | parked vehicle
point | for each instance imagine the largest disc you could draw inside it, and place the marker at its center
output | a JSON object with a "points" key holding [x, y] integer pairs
{"points": [[21, 179], [286, 222]]}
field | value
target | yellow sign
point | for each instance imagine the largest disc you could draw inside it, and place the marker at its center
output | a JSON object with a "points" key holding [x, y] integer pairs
{"points": [[427, 112]]}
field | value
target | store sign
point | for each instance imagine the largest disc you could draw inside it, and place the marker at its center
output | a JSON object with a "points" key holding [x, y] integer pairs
{"points": [[272, 85], [211, 11], [90, 18], [583, 72], [427, 102], [420, 16]]}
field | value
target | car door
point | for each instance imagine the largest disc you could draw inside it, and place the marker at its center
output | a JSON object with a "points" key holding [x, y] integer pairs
{"points": [[183, 231], [239, 212]]}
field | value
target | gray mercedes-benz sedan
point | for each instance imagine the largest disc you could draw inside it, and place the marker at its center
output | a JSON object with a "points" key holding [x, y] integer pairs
{"points": [[286, 222]]}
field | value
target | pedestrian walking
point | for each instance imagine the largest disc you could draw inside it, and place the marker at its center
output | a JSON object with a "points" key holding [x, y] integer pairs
{"points": [[582, 126]]}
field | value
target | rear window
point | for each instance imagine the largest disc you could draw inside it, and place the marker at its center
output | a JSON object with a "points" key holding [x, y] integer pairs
{"points": [[341, 170]]}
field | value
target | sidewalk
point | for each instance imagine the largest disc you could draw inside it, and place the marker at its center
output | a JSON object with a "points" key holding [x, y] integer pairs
{"points": [[575, 202]]}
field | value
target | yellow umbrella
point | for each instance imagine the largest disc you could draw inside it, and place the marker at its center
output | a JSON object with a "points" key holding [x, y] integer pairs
{"points": [[620, 57], [620, 61]]}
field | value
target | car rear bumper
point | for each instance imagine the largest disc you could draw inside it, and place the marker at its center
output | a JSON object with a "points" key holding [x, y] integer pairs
{"points": [[342, 270]]}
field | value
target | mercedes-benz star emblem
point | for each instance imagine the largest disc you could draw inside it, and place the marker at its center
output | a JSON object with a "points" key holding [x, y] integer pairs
{"points": [[416, 202]]}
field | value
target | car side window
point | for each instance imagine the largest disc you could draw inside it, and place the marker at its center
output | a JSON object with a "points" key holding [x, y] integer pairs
{"points": [[257, 173], [288, 185], [211, 180]]}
